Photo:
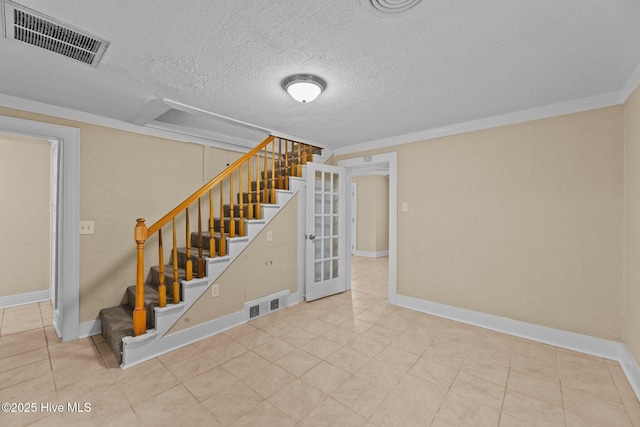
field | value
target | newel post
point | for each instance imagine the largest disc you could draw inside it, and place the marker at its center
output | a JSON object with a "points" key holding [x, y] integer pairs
{"points": [[140, 313]]}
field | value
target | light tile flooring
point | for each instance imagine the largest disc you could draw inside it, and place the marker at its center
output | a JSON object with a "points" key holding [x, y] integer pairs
{"points": [[347, 360]]}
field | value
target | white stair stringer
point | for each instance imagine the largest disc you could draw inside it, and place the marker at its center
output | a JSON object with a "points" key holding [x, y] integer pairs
{"points": [[138, 349]]}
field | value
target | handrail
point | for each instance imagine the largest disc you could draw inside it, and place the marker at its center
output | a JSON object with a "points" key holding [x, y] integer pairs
{"points": [[195, 196], [275, 177]]}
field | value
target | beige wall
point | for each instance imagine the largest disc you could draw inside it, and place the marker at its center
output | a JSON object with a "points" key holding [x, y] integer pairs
{"points": [[521, 221], [123, 176], [25, 233], [262, 269], [632, 224], [373, 214]]}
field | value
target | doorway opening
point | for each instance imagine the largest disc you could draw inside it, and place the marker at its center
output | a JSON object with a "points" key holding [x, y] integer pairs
{"points": [[381, 165], [65, 247]]}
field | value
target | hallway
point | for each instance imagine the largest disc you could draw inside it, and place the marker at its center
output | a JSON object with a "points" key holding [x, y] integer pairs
{"points": [[346, 360]]}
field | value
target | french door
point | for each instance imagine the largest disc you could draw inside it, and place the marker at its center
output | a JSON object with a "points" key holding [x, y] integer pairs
{"points": [[325, 231]]}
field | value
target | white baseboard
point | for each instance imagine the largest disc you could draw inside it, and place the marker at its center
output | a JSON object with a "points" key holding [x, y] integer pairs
{"points": [[89, 328], [371, 254], [556, 337], [28, 298], [141, 353]]}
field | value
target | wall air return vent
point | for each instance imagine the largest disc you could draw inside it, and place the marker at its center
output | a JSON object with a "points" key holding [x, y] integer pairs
{"points": [[34, 28]]}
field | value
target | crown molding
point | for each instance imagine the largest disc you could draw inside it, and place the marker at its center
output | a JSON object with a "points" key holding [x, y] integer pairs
{"points": [[631, 85], [584, 104]]}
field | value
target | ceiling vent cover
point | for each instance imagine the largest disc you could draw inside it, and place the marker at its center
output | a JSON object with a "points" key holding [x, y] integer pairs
{"points": [[39, 30], [389, 8]]}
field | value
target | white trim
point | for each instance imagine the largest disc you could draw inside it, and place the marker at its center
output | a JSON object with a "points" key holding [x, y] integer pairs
{"points": [[90, 328], [66, 316], [391, 159], [176, 340], [631, 369], [27, 298], [631, 85], [187, 336], [371, 254], [84, 117], [584, 104], [353, 223], [556, 337]]}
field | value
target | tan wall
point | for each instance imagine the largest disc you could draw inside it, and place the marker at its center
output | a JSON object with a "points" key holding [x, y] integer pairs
{"points": [[382, 214], [522, 221], [123, 176], [632, 224], [373, 214], [25, 233], [248, 278]]}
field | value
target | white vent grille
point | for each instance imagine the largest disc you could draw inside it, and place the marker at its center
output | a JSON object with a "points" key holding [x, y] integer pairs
{"points": [[39, 30], [260, 307]]}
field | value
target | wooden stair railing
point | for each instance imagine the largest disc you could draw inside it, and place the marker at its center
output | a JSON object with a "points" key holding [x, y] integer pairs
{"points": [[284, 162]]}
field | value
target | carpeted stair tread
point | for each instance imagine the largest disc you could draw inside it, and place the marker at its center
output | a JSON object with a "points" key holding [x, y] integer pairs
{"points": [[116, 324]]}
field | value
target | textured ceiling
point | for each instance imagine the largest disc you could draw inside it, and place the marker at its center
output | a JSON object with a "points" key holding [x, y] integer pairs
{"points": [[444, 62]]}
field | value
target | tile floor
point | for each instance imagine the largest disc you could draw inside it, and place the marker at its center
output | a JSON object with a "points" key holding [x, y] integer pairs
{"points": [[347, 360]]}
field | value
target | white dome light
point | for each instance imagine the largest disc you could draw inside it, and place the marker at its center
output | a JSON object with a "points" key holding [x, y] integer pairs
{"points": [[304, 87]]}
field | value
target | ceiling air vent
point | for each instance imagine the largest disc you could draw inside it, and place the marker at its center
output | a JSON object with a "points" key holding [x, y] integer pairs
{"points": [[34, 28]]}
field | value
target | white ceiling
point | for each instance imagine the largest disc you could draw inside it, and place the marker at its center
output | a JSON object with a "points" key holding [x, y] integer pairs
{"points": [[442, 63]]}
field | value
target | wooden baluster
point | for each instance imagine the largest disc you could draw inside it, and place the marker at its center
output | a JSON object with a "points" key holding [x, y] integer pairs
{"points": [[189, 264], [223, 242], [265, 191], [200, 258], [299, 163], [232, 219], [162, 288], [140, 312], [212, 240], [280, 181], [249, 192], [310, 155], [273, 171], [304, 155], [241, 203], [258, 209], [286, 164], [176, 285]]}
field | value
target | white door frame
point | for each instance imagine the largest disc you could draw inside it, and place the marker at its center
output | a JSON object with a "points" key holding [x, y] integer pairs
{"points": [[390, 160], [354, 217], [66, 318]]}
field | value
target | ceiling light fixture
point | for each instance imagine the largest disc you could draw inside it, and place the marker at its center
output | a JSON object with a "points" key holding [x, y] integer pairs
{"points": [[304, 87]]}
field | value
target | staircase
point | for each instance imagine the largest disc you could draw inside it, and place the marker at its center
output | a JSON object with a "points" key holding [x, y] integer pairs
{"points": [[171, 288]]}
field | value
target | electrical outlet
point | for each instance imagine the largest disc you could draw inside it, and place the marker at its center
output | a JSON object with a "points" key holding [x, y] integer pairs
{"points": [[87, 227], [215, 290], [405, 207], [269, 236]]}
